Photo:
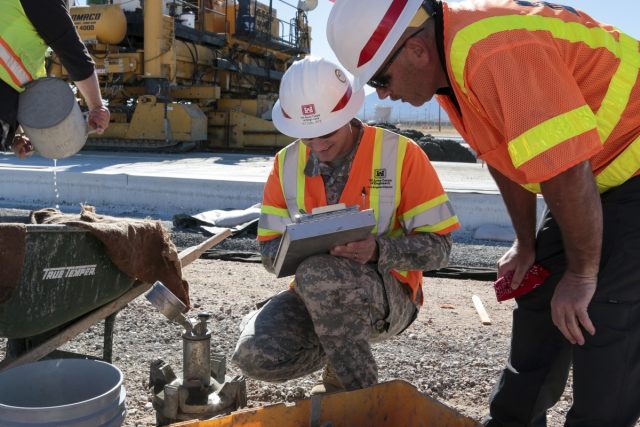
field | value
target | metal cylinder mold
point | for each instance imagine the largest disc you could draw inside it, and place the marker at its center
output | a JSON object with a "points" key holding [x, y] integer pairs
{"points": [[196, 354]]}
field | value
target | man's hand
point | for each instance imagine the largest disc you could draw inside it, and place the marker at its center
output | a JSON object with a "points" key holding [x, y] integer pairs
{"points": [[98, 114], [569, 306], [22, 147], [99, 118], [575, 203], [521, 205], [518, 259], [361, 251]]}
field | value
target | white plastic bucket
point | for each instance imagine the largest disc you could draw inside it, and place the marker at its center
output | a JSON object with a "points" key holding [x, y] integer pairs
{"points": [[50, 116], [62, 392]]}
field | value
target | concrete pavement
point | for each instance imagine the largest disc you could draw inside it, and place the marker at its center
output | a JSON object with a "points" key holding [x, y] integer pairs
{"points": [[162, 185]]}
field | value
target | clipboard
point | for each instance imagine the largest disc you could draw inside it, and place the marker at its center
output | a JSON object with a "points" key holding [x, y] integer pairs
{"points": [[318, 232]]}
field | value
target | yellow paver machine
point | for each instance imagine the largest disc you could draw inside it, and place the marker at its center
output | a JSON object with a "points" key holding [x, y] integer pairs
{"points": [[179, 74]]}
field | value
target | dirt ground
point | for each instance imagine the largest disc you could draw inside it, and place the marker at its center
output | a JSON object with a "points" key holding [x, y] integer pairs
{"points": [[447, 353]]}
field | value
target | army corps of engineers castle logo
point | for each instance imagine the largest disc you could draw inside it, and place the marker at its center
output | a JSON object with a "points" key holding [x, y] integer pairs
{"points": [[308, 110], [380, 179], [309, 115]]}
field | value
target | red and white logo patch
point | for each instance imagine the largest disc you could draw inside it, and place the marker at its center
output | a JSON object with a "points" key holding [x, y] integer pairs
{"points": [[308, 110]]}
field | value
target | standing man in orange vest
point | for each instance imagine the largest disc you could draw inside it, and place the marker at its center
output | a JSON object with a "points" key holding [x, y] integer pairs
{"points": [[549, 98], [364, 291], [27, 28]]}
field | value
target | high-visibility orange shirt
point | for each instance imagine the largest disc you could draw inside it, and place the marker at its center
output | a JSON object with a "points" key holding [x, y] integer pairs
{"points": [[542, 87], [419, 188], [389, 173]]}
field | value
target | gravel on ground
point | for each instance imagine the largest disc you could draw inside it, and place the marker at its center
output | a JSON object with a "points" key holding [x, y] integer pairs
{"points": [[446, 353]]}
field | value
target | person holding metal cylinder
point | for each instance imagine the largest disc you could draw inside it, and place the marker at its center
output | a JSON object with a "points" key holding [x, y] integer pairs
{"points": [[361, 292], [27, 28], [549, 98]]}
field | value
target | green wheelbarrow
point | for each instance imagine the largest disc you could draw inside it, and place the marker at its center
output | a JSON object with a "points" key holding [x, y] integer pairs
{"points": [[66, 274], [68, 283]]}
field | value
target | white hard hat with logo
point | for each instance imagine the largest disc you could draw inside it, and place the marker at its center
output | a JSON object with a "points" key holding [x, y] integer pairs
{"points": [[362, 33], [316, 98]]}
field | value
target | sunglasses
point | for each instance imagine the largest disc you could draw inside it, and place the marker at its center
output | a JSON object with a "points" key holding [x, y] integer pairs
{"points": [[382, 79]]}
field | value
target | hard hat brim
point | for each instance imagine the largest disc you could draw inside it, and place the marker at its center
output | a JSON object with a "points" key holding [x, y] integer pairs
{"points": [[336, 36], [290, 127]]}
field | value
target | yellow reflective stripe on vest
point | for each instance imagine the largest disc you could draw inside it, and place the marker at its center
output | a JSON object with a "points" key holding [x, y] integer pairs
{"points": [[595, 37], [432, 212], [265, 232], [273, 219], [291, 168], [533, 187], [402, 151], [282, 156], [302, 180], [550, 133], [621, 168], [620, 86], [619, 91], [439, 226], [274, 211], [12, 65]]}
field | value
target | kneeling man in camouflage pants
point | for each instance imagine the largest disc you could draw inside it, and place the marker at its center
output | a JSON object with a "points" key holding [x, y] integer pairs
{"points": [[361, 292]]}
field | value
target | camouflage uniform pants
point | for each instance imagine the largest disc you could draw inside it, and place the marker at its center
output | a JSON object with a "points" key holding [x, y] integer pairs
{"points": [[4, 136], [336, 309]]}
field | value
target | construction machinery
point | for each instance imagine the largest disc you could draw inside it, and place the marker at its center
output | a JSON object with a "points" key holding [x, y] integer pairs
{"points": [[177, 75]]}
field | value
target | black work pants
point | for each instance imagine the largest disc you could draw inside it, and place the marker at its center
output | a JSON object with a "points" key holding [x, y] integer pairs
{"points": [[606, 369]]}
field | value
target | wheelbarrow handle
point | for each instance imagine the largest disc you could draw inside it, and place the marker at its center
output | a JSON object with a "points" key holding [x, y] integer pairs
{"points": [[192, 253]]}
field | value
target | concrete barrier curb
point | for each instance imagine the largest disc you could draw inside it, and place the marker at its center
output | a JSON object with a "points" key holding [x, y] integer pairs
{"points": [[161, 187]]}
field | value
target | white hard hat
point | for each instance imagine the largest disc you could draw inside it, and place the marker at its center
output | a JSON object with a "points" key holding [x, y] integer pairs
{"points": [[316, 98], [362, 33]]}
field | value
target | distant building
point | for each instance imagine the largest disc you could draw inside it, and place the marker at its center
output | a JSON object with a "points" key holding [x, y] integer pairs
{"points": [[400, 112], [382, 113]]}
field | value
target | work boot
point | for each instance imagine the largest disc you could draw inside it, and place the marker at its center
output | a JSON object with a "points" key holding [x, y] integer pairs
{"points": [[330, 382]]}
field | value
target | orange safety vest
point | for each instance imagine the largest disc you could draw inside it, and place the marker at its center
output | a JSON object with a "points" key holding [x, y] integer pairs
{"points": [[542, 87], [389, 173]]}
